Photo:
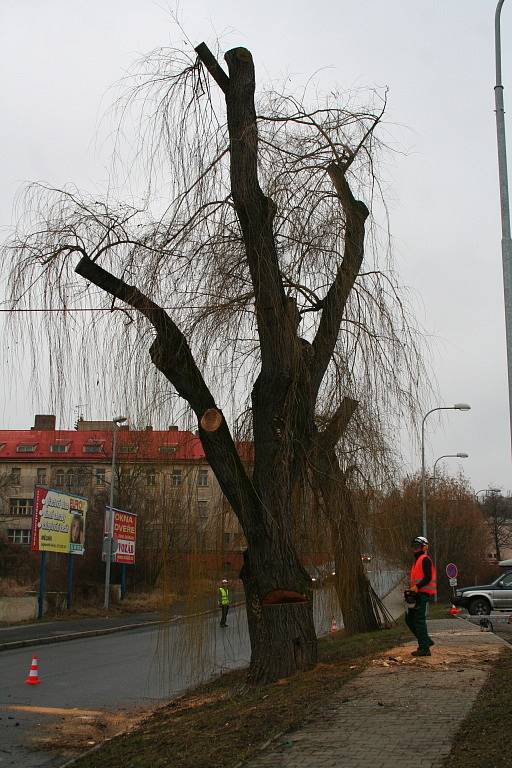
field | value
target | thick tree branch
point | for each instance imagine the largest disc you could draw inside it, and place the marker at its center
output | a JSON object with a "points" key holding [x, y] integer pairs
{"points": [[213, 66], [172, 356], [335, 301], [254, 209], [339, 421]]}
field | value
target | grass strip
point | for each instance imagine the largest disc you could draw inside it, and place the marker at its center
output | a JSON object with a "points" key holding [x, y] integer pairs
{"points": [[225, 722], [483, 740]]}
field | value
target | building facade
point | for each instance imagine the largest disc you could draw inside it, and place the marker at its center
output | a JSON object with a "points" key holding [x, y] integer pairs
{"points": [[162, 475]]}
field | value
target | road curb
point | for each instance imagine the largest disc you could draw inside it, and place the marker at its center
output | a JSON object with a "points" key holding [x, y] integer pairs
{"points": [[64, 638]]}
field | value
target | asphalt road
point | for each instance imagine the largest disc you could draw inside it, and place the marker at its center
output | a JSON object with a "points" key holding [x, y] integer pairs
{"points": [[121, 672], [128, 670]]}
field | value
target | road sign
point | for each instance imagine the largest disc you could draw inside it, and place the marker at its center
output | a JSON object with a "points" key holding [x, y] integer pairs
{"points": [[124, 533], [453, 582], [452, 571]]}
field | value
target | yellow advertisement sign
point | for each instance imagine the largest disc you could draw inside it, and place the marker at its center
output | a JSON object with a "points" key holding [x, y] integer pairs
{"points": [[58, 522]]}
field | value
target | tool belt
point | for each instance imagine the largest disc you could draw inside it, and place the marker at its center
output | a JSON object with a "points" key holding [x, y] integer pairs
{"points": [[410, 598]]}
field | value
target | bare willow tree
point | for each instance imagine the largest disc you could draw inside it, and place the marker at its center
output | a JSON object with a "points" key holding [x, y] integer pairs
{"points": [[247, 284]]}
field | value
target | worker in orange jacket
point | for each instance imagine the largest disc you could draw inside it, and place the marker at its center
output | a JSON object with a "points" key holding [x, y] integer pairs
{"points": [[423, 584]]}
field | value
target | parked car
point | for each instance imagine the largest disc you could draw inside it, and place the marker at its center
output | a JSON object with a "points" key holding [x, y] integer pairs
{"points": [[481, 600]]}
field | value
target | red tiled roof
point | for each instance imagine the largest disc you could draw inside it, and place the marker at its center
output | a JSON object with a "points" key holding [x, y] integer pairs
{"points": [[144, 445]]}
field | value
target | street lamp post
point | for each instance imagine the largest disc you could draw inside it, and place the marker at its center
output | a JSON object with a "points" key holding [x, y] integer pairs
{"points": [[110, 515], [456, 407], [506, 241]]}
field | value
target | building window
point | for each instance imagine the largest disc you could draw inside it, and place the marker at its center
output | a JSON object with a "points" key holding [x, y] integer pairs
{"points": [[202, 478], [18, 536], [59, 447], [128, 448], [70, 476], [25, 448], [59, 478], [176, 478], [167, 449], [151, 477], [16, 476], [20, 506], [227, 539], [100, 476], [202, 510], [41, 476], [93, 448]]}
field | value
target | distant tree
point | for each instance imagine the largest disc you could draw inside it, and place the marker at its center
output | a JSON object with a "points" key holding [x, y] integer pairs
{"points": [[497, 510], [457, 529]]}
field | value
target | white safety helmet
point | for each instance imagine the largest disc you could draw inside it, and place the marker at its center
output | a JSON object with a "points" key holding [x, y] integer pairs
{"points": [[224, 581], [421, 540]]}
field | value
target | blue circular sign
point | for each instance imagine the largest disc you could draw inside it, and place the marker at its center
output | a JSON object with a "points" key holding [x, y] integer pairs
{"points": [[452, 571]]}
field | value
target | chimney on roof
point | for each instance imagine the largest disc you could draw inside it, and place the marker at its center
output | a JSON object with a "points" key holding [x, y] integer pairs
{"points": [[44, 422], [173, 428]]}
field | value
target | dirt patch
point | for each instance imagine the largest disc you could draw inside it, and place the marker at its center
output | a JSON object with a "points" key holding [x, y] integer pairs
{"points": [[442, 655], [75, 731]]}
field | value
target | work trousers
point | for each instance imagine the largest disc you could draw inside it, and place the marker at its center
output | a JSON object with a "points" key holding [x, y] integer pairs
{"points": [[224, 609], [416, 620]]}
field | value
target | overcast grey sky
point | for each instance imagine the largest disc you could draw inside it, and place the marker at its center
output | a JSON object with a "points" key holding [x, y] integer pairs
{"points": [[59, 58]]}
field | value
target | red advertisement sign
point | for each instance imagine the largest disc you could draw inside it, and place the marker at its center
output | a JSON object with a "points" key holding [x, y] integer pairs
{"points": [[124, 535]]}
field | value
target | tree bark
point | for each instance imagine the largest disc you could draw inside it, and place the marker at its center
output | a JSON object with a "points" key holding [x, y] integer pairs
{"points": [[355, 594]]}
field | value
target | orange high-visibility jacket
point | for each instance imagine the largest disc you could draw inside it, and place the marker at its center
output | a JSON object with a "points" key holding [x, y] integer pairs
{"points": [[417, 575]]}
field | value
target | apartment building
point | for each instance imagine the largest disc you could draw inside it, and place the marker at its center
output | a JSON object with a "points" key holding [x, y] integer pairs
{"points": [[161, 474]]}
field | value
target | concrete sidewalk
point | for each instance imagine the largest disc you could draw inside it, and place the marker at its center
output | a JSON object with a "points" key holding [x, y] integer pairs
{"points": [[400, 712]]}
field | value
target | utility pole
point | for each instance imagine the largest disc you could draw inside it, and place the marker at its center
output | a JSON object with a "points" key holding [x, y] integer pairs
{"points": [[110, 514], [506, 241]]}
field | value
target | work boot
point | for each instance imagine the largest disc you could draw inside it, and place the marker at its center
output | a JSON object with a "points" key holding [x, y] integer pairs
{"points": [[430, 642], [421, 652]]}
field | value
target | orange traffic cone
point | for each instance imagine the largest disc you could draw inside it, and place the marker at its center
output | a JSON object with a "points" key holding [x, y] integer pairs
{"points": [[33, 675], [334, 626], [453, 611]]}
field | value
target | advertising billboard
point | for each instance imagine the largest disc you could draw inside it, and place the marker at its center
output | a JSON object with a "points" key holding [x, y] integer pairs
{"points": [[58, 522], [124, 535]]}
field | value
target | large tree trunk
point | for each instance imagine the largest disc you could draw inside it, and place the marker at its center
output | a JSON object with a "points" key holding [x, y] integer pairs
{"points": [[357, 599], [281, 627]]}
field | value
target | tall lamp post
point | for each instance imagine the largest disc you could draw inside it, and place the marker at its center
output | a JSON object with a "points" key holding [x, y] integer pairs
{"points": [[110, 516], [506, 241], [456, 407], [444, 456]]}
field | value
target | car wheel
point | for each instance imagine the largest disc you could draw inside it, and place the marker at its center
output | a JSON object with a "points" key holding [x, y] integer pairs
{"points": [[479, 606]]}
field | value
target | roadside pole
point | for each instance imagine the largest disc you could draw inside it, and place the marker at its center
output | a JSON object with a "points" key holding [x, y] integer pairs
{"points": [[69, 596], [42, 586], [123, 581], [110, 519]]}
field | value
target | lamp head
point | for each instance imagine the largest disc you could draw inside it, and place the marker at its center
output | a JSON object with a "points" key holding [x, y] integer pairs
{"points": [[463, 455], [462, 407]]}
